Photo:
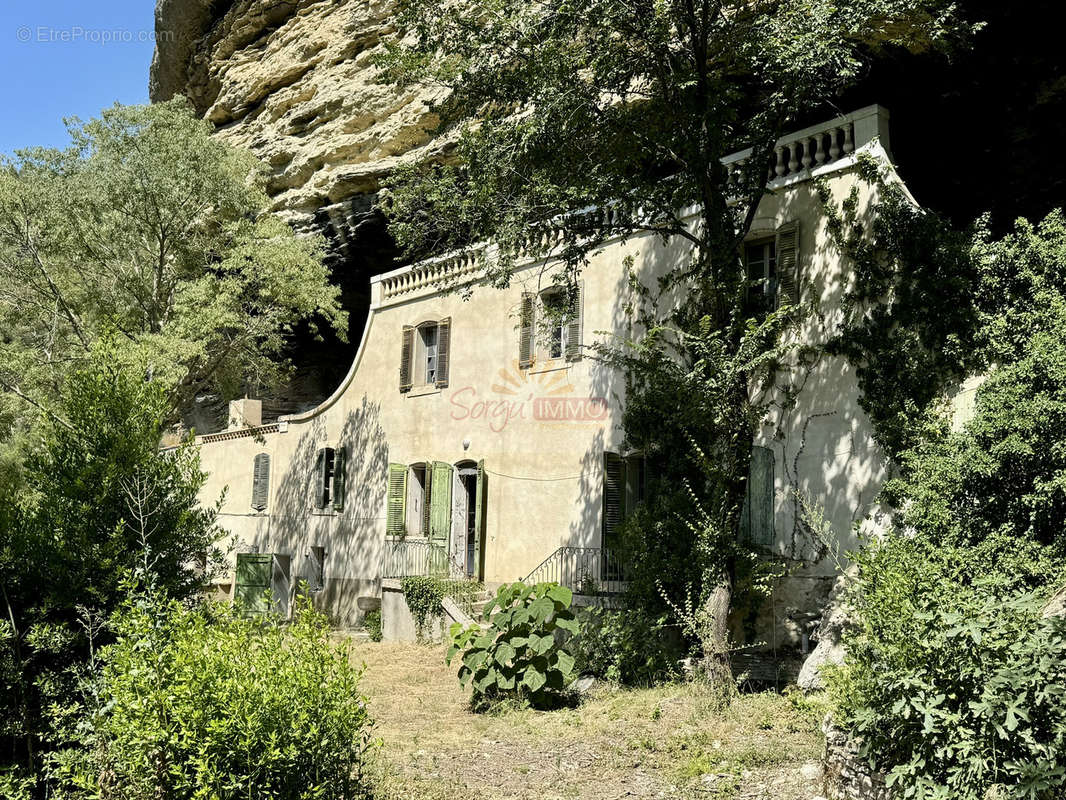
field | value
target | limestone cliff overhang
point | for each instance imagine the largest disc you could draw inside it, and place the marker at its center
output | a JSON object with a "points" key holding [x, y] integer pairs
{"points": [[818, 151]]}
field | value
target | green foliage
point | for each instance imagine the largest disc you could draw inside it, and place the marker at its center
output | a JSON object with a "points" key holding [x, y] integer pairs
{"points": [[522, 655], [630, 646], [194, 702], [424, 594], [956, 687], [98, 497], [151, 228], [372, 624]]}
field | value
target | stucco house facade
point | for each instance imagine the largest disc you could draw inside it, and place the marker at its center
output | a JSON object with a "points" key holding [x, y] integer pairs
{"points": [[477, 434]]}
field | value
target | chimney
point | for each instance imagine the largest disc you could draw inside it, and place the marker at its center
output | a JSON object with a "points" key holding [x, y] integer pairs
{"points": [[245, 414]]}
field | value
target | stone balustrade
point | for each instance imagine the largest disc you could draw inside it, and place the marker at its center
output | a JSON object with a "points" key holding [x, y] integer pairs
{"points": [[796, 157]]}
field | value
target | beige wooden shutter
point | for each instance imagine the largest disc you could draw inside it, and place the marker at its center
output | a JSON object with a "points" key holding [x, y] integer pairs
{"points": [[321, 477], [526, 332], [613, 488], [260, 481], [575, 319], [444, 343], [396, 504], [407, 353], [788, 272]]}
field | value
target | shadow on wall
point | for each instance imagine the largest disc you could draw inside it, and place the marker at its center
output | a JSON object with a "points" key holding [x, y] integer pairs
{"points": [[351, 538]]}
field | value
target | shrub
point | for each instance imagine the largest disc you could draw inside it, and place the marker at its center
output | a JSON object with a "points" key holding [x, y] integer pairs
{"points": [[956, 690], [199, 703], [522, 654], [630, 647], [372, 623]]}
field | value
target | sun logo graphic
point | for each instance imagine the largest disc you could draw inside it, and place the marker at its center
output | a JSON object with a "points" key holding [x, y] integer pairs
{"points": [[530, 396]]}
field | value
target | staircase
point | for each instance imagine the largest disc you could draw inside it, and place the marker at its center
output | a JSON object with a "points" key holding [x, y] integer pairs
{"points": [[582, 570], [471, 615]]}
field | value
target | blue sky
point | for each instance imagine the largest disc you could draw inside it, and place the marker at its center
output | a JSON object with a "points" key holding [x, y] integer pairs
{"points": [[62, 58]]}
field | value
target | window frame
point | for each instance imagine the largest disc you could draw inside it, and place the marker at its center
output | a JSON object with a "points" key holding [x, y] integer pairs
{"points": [[767, 242]]}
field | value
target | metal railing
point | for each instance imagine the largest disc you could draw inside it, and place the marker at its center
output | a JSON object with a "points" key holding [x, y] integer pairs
{"points": [[583, 570], [405, 558]]}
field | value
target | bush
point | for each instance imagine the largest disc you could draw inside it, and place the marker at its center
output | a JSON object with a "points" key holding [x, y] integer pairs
{"points": [[522, 655], [630, 647], [199, 703], [957, 690], [372, 623]]}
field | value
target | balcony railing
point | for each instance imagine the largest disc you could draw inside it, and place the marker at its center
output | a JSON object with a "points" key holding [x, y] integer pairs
{"points": [[406, 558], [583, 570]]}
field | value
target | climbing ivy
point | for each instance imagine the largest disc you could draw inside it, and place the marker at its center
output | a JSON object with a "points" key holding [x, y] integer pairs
{"points": [[425, 593]]}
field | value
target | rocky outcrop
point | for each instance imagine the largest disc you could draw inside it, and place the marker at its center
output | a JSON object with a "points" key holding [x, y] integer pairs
{"points": [[295, 83]]}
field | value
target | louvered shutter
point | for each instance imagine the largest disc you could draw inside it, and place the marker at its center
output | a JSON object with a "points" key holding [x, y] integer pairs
{"points": [[757, 513], [479, 517], [396, 502], [574, 321], [407, 353], [526, 332], [427, 493], [444, 343], [440, 516], [613, 488], [340, 458], [788, 272], [260, 481]]}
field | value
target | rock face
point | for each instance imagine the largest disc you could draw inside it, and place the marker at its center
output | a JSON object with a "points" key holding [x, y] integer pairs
{"points": [[293, 81]]}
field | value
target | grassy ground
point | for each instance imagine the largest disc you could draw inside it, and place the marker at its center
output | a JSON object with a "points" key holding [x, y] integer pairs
{"points": [[669, 741]]}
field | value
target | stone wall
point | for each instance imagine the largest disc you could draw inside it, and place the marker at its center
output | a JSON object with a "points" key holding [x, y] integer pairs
{"points": [[847, 776]]}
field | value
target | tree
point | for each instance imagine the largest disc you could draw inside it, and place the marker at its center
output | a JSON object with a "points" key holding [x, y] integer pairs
{"points": [[149, 229], [98, 501], [562, 105]]}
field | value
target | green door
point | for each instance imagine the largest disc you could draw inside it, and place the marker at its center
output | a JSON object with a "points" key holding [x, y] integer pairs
{"points": [[254, 571], [440, 516]]}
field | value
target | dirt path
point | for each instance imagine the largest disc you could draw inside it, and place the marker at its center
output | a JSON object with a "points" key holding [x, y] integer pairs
{"points": [[671, 741]]}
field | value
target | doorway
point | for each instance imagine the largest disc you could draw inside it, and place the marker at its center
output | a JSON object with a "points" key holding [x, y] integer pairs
{"points": [[469, 519]]}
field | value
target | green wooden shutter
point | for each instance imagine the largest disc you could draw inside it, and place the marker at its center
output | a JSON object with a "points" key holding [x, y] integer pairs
{"points": [[427, 492], [613, 489], [575, 321], [440, 516], [788, 277], [757, 513], [407, 352], [479, 517], [526, 332], [340, 458], [444, 342], [396, 503], [260, 481], [253, 579]]}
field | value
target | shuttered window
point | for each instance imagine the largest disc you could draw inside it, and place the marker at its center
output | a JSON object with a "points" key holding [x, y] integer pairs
{"points": [[757, 513], [396, 501], [613, 497], [526, 331], [788, 271], [260, 481], [407, 346], [440, 516]]}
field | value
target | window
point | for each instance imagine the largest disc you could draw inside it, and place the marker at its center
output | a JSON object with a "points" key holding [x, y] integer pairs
{"points": [[555, 321], [760, 265], [424, 355], [757, 514], [329, 479], [624, 487], [560, 322], [260, 481]]}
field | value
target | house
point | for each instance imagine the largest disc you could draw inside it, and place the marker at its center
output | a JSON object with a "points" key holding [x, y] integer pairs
{"points": [[477, 436]]}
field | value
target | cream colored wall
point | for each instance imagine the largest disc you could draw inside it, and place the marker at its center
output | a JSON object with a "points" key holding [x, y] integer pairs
{"points": [[544, 477]]}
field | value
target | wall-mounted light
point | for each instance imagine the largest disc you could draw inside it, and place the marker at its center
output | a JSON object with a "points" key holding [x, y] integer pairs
{"points": [[466, 444]]}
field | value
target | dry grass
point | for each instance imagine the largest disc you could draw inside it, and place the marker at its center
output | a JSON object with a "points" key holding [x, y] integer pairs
{"points": [[669, 741]]}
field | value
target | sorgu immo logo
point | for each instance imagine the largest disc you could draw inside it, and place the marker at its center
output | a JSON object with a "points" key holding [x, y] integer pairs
{"points": [[521, 395]]}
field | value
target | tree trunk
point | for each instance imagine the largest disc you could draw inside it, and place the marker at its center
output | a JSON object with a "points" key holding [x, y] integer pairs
{"points": [[716, 632]]}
